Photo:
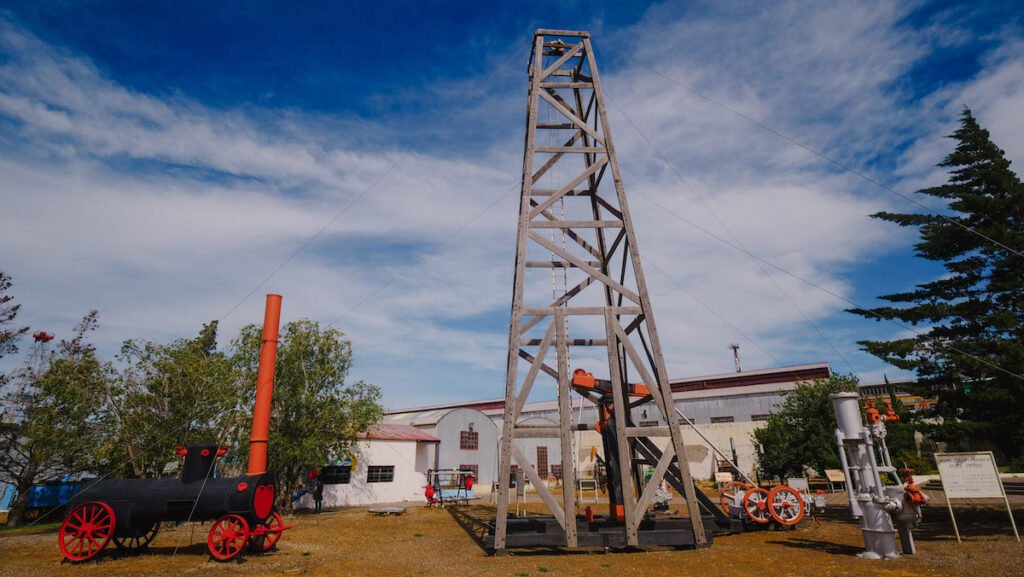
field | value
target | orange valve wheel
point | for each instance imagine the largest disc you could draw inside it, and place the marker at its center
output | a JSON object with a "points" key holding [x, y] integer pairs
{"points": [[86, 531], [755, 503], [729, 492], [227, 537], [785, 505]]}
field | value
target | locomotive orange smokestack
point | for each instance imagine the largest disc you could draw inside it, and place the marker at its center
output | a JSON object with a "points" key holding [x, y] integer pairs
{"points": [[264, 387]]}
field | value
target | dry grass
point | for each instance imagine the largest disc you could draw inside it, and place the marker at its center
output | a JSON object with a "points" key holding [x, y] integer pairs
{"points": [[447, 542]]}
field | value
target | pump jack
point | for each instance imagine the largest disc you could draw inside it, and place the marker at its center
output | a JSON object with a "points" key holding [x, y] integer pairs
{"points": [[599, 391]]}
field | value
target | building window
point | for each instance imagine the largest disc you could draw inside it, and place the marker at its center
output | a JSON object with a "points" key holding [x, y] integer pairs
{"points": [[648, 423], [542, 462], [474, 469], [556, 471], [336, 474], [759, 417], [721, 419], [380, 474], [469, 440]]}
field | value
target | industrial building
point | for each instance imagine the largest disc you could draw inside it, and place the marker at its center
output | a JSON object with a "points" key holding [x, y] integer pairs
{"points": [[726, 408]]}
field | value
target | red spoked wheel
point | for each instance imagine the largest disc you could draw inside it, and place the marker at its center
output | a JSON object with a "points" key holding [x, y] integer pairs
{"points": [[755, 503], [785, 505], [137, 542], [270, 533], [86, 531], [228, 536], [729, 492]]}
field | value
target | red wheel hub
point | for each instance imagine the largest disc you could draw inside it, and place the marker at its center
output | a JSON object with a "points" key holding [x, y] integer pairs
{"points": [[86, 531], [227, 537]]}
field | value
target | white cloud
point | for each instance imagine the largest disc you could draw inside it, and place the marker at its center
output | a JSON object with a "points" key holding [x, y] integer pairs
{"points": [[163, 213]]}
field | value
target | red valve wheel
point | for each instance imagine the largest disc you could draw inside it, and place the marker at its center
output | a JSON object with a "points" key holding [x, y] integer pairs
{"points": [[755, 503], [272, 529], [729, 492], [137, 542], [86, 531], [785, 505], [228, 536]]}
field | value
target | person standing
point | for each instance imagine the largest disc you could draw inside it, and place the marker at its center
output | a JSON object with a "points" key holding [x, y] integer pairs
{"points": [[318, 493]]}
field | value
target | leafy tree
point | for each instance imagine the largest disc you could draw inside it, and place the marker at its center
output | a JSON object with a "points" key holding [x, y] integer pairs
{"points": [[8, 335], [971, 353], [315, 415], [53, 425], [801, 435], [168, 395]]}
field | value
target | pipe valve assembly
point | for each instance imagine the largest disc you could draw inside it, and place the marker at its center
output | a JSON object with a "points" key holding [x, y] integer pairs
{"points": [[882, 509]]}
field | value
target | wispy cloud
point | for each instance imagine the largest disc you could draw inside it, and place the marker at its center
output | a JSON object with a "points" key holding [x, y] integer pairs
{"points": [[163, 212]]}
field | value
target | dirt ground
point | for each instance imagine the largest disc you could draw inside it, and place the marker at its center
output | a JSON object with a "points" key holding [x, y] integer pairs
{"points": [[425, 542]]}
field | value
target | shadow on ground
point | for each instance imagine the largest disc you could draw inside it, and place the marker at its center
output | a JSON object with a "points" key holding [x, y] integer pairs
{"points": [[475, 520], [816, 545]]}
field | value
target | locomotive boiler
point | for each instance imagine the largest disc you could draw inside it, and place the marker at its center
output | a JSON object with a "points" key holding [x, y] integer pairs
{"points": [[129, 511]]}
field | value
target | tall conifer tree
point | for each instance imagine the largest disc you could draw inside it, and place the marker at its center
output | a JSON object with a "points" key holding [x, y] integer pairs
{"points": [[971, 350]]}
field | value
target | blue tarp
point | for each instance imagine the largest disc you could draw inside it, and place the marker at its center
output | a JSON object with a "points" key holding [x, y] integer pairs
{"points": [[49, 495]]}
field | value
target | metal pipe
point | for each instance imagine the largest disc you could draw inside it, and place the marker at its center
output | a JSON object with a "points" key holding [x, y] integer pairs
{"points": [[854, 505], [712, 445], [876, 478], [264, 387]]}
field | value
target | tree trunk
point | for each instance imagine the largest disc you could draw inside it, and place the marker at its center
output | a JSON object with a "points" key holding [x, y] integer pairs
{"points": [[16, 515]]}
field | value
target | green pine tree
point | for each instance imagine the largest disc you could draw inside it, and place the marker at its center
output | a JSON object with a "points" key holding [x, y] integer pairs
{"points": [[970, 350]]}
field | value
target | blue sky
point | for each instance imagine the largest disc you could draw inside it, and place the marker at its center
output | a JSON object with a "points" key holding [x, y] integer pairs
{"points": [[159, 160]]}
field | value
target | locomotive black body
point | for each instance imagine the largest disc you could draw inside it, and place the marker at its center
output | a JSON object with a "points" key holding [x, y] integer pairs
{"points": [[139, 504]]}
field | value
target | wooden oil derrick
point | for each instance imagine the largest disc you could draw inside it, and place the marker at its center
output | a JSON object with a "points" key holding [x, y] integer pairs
{"points": [[572, 185]]}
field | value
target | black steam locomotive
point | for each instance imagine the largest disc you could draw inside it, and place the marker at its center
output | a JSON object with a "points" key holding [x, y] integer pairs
{"points": [[129, 511]]}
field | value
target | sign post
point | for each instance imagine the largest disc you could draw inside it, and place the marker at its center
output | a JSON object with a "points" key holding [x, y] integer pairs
{"points": [[971, 476]]}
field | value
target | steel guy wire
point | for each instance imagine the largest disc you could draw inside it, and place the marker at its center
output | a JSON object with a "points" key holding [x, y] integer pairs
{"points": [[830, 160], [435, 251], [399, 159], [710, 309], [823, 289], [735, 239]]}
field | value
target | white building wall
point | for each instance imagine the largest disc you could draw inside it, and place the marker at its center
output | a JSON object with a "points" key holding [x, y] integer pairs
{"points": [[485, 457], [411, 461]]}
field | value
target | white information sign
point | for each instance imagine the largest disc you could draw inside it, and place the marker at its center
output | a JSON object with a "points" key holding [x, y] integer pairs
{"points": [[835, 476], [969, 475], [723, 477]]}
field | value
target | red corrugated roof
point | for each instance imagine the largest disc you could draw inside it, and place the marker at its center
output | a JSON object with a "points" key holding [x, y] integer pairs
{"points": [[723, 381], [746, 379], [385, 432]]}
